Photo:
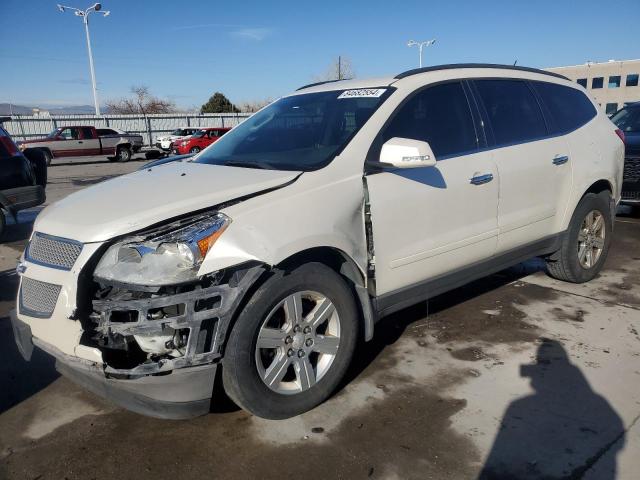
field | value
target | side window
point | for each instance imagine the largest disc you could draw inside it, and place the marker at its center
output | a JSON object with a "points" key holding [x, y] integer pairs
{"points": [[87, 133], [513, 111], [569, 107], [69, 133], [439, 115]]}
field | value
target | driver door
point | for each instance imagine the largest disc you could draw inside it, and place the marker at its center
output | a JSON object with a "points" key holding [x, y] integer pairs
{"points": [[429, 221]]}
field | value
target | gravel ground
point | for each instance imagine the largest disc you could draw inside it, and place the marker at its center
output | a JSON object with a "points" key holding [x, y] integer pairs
{"points": [[513, 376]]}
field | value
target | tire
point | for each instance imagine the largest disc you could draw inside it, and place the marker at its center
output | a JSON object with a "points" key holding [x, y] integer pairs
{"points": [[47, 156], [3, 223], [567, 263], [194, 150], [38, 160], [123, 154], [245, 365]]}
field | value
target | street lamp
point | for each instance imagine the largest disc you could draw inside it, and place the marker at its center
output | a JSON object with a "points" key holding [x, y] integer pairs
{"points": [[421, 45], [85, 19]]}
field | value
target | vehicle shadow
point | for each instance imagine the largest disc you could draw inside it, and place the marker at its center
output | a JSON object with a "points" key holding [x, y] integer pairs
{"points": [[559, 431], [18, 379]]}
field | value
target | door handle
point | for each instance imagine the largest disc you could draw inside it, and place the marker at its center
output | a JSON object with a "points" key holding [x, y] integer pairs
{"points": [[560, 159], [481, 179], [79, 141]]}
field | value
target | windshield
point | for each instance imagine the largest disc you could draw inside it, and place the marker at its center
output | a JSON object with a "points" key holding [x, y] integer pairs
{"points": [[627, 119], [179, 132], [54, 133], [199, 133], [301, 132]]}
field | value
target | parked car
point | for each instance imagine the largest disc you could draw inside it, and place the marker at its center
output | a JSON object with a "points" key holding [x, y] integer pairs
{"points": [[628, 120], [165, 142], [23, 177], [198, 141], [73, 141], [277, 248]]}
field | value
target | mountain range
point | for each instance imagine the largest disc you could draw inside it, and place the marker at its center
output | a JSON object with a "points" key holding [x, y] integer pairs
{"points": [[7, 108]]}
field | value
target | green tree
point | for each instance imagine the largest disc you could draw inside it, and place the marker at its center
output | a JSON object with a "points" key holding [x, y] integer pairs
{"points": [[218, 103]]}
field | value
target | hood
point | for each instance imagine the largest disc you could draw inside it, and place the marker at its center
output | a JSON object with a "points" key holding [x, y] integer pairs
{"points": [[35, 140], [143, 198]]}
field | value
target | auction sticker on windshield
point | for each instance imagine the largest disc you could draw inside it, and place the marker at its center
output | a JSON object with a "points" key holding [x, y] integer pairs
{"points": [[363, 93]]}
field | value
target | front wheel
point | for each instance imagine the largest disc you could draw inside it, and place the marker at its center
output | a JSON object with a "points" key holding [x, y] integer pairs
{"points": [[194, 150], [586, 243], [292, 343]]}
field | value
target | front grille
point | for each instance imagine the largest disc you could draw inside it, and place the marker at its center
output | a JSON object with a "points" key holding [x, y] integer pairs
{"points": [[53, 252], [631, 169], [38, 299], [630, 195]]}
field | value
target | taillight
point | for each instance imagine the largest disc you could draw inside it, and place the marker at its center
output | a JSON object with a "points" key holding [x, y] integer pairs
{"points": [[8, 146], [620, 133]]}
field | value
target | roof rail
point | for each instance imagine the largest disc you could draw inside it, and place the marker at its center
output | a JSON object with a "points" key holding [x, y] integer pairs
{"points": [[452, 66], [319, 83]]}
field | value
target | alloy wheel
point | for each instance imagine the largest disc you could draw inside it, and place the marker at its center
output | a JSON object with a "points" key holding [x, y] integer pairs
{"points": [[591, 239]]}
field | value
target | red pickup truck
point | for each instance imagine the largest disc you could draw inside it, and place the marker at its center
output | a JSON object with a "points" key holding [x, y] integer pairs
{"points": [[74, 141]]}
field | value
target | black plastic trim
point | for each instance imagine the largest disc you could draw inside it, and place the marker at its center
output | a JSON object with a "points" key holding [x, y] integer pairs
{"points": [[397, 300], [453, 66]]}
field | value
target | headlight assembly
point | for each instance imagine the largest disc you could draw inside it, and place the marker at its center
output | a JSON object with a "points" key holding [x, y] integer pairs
{"points": [[167, 255]]}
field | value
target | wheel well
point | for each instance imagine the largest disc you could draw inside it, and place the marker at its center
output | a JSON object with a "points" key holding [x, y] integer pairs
{"points": [[599, 187]]}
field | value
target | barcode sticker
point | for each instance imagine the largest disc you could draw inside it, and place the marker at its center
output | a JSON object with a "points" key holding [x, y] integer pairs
{"points": [[363, 93]]}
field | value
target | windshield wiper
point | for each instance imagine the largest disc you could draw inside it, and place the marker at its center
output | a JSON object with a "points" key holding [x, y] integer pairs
{"points": [[243, 164]]}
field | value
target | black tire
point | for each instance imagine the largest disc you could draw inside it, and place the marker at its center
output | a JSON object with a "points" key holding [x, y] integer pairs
{"points": [[47, 156], [123, 154], [3, 223], [38, 160], [240, 375], [564, 264], [194, 150]]}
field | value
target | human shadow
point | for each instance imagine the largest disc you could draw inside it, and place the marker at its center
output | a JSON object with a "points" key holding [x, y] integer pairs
{"points": [[558, 432]]}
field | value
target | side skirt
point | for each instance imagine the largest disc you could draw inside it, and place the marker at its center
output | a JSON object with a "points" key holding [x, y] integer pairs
{"points": [[397, 300]]}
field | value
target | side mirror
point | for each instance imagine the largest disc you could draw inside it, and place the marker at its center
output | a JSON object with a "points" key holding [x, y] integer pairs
{"points": [[406, 153]]}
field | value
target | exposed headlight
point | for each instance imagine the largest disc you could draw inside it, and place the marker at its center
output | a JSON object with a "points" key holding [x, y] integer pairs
{"points": [[167, 255]]}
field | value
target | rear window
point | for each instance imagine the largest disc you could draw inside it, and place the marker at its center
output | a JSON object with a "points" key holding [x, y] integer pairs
{"points": [[569, 107], [513, 111]]}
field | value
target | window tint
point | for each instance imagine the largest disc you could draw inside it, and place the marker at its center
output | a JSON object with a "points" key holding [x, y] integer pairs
{"points": [[597, 82], [614, 81], [87, 133], [632, 80], [583, 82], [611, 108], [513, 111], [569, 107], [69, 133], [439, 115]]}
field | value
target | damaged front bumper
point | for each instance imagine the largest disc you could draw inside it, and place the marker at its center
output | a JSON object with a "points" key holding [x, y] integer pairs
{"points": [[161, 385]]}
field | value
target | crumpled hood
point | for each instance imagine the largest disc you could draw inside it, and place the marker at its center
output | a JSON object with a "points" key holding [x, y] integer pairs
{"points": [[143, 198]]}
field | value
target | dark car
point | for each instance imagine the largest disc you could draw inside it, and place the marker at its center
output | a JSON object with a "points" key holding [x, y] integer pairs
{"points": [[23, 176], [628, 120]]}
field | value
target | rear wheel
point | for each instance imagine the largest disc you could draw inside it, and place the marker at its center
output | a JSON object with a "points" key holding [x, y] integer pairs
{"points": [[586, 243], [47, 156], [123, 154], [292, 343]]}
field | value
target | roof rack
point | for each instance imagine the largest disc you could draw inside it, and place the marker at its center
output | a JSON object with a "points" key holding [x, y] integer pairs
{"points": [[452, 66], [318, 83]]}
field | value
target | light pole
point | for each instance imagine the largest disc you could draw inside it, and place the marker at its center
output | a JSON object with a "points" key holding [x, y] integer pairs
{"points": [[421, 45], [85, 19]]}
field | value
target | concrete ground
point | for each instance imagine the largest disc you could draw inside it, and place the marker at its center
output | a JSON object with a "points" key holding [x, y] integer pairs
{"points": [[514, 376]]}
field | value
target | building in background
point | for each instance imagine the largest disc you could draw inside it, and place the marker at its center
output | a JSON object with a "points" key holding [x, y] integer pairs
{"points": [[611, 84]]}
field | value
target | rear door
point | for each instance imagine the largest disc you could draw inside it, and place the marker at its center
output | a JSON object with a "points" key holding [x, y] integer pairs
{"points": [[534, 166], [90, 144], [433, 220]]}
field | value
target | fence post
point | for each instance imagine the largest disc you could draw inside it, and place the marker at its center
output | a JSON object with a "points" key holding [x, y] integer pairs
{"points": [[188, 119], [222, 119], [106, 120], [149, 129]]}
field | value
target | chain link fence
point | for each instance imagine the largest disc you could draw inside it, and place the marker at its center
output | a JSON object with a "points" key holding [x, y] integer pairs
{"points": [[25, 127]]}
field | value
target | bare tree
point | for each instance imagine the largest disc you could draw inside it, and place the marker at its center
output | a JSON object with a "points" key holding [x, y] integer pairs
{"points": [[142, 102], [340, 68], [250, 106]]}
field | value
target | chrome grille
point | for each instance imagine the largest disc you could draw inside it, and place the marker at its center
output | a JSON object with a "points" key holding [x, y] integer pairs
{"points": [[38, 299], [53, 252]]}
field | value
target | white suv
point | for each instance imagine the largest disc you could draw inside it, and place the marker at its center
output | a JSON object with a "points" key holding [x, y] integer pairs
{"points": [[273, 251], [165, 142]]}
